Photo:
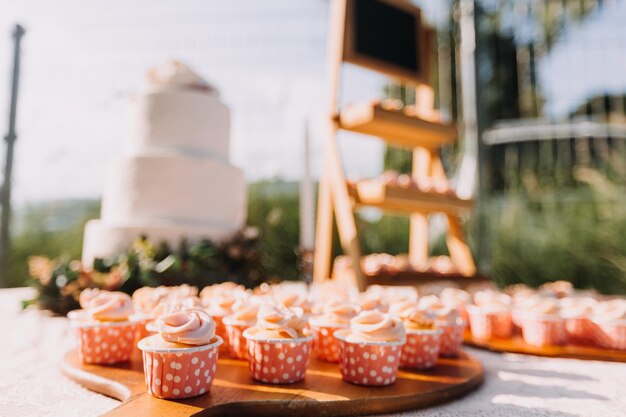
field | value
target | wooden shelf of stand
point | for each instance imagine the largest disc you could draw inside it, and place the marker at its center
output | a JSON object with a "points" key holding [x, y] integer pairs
{"points": [[394, 126], [374, 193]]}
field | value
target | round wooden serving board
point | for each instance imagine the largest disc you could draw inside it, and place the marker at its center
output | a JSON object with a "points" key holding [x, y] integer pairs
{"points": [[516, 344], [322, 392]]}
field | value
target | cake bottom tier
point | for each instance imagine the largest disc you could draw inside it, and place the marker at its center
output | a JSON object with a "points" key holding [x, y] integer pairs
{"points": [[103, 239]]}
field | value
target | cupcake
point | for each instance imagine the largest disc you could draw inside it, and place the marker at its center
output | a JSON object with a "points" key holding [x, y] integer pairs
{"points": [[244, 312], [423, 338], [448, 319], [278, 345], [577, 314], [490, 317], [180, 361], [104, 332], [609, 318], [457, 298], [336, 315], [370, 349], [542, 324]]}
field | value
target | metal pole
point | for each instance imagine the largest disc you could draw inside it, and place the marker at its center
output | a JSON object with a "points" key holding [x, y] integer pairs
{"points": [[5, 195]]}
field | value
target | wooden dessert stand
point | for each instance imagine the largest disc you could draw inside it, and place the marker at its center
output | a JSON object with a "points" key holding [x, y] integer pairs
{"points": [[516, 344], [322, 392], [419, 129]]}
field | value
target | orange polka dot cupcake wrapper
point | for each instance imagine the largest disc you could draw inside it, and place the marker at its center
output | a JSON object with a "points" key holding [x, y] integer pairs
{"points": [[451, 338], [421, 349], [544, 331], [488, 325], [237, 344], [326, 346], [179, 373], [278, 361], [611, 334], [220, 330], [580, 330], [106, 342], [368, 363]]}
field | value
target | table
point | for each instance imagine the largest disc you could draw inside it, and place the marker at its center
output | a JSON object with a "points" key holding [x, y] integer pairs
{"points": [[515, 385]]}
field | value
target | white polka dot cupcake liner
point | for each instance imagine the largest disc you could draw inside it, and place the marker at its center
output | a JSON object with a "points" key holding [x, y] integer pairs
{"points": [[179, 372], [278, 361], [325, 346], [105, 342], [421, 349], [488, 325], [237, 344], [610, 334], [451, 338], [368, 363], [540, 330]]}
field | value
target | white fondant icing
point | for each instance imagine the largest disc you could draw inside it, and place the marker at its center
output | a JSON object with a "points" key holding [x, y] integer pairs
{"points": [[175, 188], [186, 120]]}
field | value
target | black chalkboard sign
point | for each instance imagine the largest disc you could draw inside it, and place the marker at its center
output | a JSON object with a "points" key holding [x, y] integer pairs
{"points": [[386, 36]]}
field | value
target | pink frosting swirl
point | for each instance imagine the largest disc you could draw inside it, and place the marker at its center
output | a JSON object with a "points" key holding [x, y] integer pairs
{"points": [[106, 305], [442, 312], [338, 313], [277, 322], [374, 326], [190, 327], [245, 309]]}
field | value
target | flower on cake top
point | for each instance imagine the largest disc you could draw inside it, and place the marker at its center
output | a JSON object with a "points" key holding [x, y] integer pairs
{"points": [[174, 74], [104, 305], [374, 326], [278, 322], [191, 327]]}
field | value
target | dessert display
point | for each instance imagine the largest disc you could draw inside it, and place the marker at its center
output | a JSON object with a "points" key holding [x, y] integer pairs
{"points": [[370, 349], [177, 181], [554, 314], [180, 361], [104, 331], [385, 264]]}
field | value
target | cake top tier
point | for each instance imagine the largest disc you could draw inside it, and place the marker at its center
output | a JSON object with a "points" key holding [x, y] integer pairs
{"points": [[174, 75]]}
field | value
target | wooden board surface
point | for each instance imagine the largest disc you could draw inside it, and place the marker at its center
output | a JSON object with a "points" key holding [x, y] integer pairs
{"points": [[517, 345], [322, 393]]}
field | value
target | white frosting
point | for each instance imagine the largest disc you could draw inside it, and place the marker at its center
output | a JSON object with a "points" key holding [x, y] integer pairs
{"points": [[177, 183]]}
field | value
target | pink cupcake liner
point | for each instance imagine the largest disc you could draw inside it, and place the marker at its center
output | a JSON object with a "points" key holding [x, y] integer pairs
{"points": [[179, 372], [452, 337], [220, 330], [237, 344], [325, 346], [580, 330], [105, 342], [142, 330], [544, 330], [278, 361], [488, 325], [368, 363], [421, 349], [610, 334]]}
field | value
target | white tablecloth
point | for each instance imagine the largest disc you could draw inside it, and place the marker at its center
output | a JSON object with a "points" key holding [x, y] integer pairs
{"points": [[515, 385]]}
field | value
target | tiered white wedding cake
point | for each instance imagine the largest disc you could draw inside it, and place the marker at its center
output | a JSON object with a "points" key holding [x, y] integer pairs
{"points": [[177, 182]]}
